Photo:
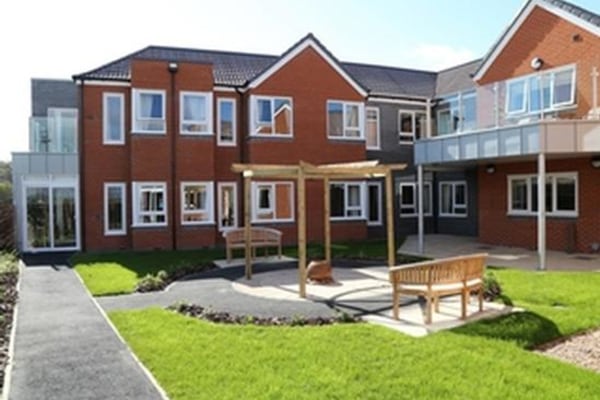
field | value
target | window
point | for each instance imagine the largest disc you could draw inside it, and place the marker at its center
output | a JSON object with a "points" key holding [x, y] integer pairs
{"points": [[411, 125], [453, 199], [226, 128], [227, 198], [468, 111], [561, 194], [113, 123], [195, 113], [547, 91], [347, 200], [114, 209], [271, 116], [149, 111], [457, 113], [372, 128], [374, 203], [345, 120], [272, 202], [197, 203], [149, 204], [409, 204]]}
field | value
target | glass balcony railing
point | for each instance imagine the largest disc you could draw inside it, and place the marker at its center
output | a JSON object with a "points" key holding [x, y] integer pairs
{"points": [[56, 133], [550, 95]]}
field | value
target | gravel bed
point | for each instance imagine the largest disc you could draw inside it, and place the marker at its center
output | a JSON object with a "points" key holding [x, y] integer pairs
{"points": [[582, 350]]}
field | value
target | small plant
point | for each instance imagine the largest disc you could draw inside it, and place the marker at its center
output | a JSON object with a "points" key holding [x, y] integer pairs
{"points": [[491, 287], [150, 283]]}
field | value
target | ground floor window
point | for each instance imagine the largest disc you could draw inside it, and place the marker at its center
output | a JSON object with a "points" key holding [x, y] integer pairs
{"points": [[197, 203], [453, 199], [227, 198], [149, 204], [374, 203], [347, 200], [114, 209], [561, 194], [272, 202], [409, 199]]}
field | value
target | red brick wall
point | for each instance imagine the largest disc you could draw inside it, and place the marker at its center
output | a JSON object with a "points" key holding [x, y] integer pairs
{"points": [[549, 37], [496, 227]]}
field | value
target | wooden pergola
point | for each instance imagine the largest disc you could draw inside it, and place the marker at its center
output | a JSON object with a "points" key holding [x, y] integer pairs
{"points": [[300, 173]]}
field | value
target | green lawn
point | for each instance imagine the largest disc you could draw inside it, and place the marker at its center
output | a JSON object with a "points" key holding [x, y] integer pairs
{"points": [[487, 360], [119, 272]]}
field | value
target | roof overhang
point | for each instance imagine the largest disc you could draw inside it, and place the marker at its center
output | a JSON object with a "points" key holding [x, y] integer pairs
{"points": [[518, 21]]}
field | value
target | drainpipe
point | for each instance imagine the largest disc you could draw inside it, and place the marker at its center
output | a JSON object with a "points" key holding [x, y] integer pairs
{"points": [[172, 68]]}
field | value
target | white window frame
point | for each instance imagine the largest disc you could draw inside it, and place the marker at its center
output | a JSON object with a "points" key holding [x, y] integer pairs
{"points": [[550, 75], [402, 135], [254, 117], [379, 220], [135, 192], [221, 142], [233, 185], [123, 230], [376, 110], [550, 178], [415, 202], [347, 207], [361, 120], [105, 122], [209, 210], [273, 206], [134, 117], [453, 213], [209, 114]]}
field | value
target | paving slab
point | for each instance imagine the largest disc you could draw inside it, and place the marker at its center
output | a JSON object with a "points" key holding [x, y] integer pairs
{"points": [[64, 348]]}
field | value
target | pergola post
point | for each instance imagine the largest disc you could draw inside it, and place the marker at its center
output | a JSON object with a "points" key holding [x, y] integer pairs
{"points": [[326, 216], [247, 238], [389, 207], [541, 217], [302, 233]]}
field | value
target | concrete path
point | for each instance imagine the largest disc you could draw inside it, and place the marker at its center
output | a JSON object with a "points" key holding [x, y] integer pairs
{"points": [[437, 246], [65, 349]]}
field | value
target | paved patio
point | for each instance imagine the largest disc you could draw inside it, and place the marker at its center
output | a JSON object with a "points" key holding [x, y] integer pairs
{"points": [[437, 246]]}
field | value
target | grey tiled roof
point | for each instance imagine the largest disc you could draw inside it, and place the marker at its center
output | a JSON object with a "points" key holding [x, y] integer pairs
{"points": [[236, 69], [457, 78]]}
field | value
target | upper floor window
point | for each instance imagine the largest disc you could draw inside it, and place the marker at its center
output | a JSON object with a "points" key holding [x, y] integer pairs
{"points": [[197, 203], [149, 204], [113, 121], [457, 113], [453, 199], [345, 120], [347, 200], [560, 194], [271, 116], [226, 127], [372, 128], [547, 91], [195, 113], [149, 111], [411, 125]]}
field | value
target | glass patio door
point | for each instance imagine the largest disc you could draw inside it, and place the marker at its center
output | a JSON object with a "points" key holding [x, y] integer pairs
{"points": [[51, 218]]}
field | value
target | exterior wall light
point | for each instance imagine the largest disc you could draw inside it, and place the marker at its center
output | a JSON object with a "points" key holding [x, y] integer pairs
{"points": [[173, 67], [595, 162], [490, 168], [537, 63]]}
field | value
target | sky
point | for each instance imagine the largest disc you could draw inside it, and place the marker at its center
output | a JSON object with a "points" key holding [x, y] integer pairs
{"points": [[59, 38]]}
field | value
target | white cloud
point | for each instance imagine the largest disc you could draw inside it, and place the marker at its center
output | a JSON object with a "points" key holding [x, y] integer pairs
{"points": [[438, 56]]}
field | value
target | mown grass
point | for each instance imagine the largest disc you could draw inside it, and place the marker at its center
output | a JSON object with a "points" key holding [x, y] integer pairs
{"points": [[119, 272], [195, 359]]}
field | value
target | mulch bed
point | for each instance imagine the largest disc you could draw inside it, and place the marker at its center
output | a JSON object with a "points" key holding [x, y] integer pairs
{"points": [[8, 300], [206, 314], [582, 350]]}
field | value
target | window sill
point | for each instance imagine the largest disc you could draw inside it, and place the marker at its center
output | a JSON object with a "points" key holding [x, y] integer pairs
{"points": [[416, 215], [346, 139], [115, 233], [373, 148], [548, 215], [374, 224], [198, 134], [347, 219], [272, 221], [162, 225], [154, 133], [271, 136], [452, 215], [107, 143], [192, 224], [226, 144]]}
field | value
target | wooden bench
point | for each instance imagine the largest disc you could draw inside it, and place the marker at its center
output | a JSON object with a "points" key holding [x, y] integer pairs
{"points": [[259, 237], [433, 279]]}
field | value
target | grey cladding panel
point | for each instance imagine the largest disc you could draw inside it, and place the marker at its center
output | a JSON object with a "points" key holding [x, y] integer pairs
{"points": [[47, 93]]}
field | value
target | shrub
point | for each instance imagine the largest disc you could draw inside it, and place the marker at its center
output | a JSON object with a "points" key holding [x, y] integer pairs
{"points": [[491, 287], [151, 283]]}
